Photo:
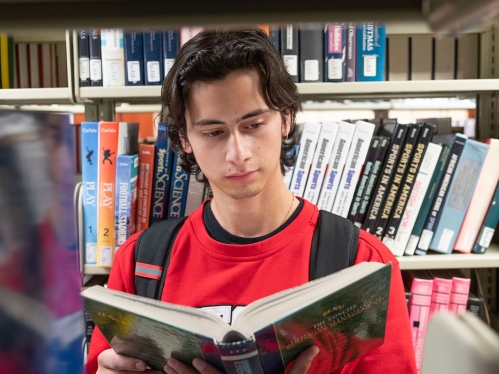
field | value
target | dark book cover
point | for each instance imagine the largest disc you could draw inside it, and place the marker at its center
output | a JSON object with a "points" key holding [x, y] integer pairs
{"points": [[351, 50], [84, 57], [163, 164], [153, 66], [372, 179], [311, 53], [476, 305], [435, 210], [371, 156], [134, 58], [171, 45], [290, 50], [334, 52], [371, 52], [489, 225], [275, 35], [95, 58], [385, 178], [179, 186], [398, 177], [424, 138]]}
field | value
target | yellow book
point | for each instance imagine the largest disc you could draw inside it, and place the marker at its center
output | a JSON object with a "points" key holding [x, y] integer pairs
{"points": [[4, 61]]}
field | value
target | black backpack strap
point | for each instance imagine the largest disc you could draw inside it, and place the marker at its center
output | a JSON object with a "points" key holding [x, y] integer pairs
{"points": [[334, 245], [152, 256]]}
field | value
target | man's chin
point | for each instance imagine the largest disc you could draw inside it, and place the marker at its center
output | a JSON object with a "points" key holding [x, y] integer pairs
{"points": [[243, 194]]}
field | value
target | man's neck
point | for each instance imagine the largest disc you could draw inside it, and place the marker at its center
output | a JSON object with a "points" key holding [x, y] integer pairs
{"points": [[255, 216]]}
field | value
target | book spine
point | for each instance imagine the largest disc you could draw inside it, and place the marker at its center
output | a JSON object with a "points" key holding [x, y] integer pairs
{"points": [[84, 57], [163, 164], [4, 61], [134, 59], [34, 66], [311, 40], [189, 32], [488, 229], [288, 175], [421, 290], [431, 192], [62, 67], [351, 49], [353, 166], [275, 35], [371, 45], [383, 184], [308, 142], [415, 199], [95, 58], [195, 195], [126, 178], [482, 196], [319, 163], [371, 181], [289, 50], [476, 306], [459, 295], [440, 296], [335, 52], [113, 58], [108, 149], [46, 81], [397, 181], [11, 61], [425, 135], [89, 162], [459, 196], [178, 190], [240, 357], [144, 185], [22, 61], [152, 58], [335, 167], [371, 157], [435, 211], [171, 45]]}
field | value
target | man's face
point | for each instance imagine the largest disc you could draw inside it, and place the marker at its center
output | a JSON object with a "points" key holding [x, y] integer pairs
{"points": [[234, 135]]}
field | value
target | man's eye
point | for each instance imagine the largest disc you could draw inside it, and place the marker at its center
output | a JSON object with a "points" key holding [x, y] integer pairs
{"points": [[255, 125], [212, 134]]}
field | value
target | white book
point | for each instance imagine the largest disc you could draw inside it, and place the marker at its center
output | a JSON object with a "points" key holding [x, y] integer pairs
{"points": [[430, 159], [355, 160], [336, 164], [34, 65], [308, 142], [113, 57], [319, 163], [46, 63]]}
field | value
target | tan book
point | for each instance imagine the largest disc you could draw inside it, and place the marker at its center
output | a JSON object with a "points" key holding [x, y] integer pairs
{"points": [[480, 201], [467, 56], [398, 58], [445, 57], [421, 57]]}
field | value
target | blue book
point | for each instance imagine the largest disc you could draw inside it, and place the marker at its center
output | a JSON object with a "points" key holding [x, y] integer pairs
{"points": [[459, 197], [163, 164], [134, 59], [371, 50], [95, 58], [488, 226], [334, 52], [178, 190], [89, 153], [127, 168], [275, 35], [84, 57], [153, 66], [171, 45]]}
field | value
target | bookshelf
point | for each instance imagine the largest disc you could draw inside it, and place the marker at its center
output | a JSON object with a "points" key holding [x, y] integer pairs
{"points": [[60, 95]]}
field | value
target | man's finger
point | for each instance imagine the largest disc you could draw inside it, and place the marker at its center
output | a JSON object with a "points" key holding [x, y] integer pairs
{"points": [[203, 367], [304, 360], [175, 366], [109, 359]]}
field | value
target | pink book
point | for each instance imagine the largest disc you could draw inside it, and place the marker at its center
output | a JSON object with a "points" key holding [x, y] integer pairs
{"points": [[440, 296], [421, 284], [460, 291], [188, 32], [480, 201]]}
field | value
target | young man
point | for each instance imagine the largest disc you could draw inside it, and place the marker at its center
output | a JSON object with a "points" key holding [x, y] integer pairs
{"points": [[231, 106]]}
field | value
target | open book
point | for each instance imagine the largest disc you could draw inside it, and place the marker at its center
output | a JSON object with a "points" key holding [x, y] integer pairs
{"points": [[344, 314]]}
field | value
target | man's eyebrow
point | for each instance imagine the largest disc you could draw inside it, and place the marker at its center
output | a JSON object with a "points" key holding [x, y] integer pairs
{"points": [[211, 121]]}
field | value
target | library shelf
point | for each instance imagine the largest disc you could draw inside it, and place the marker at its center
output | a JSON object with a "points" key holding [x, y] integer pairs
{"points": [[57, 95], [95, 270], [455, 260]]}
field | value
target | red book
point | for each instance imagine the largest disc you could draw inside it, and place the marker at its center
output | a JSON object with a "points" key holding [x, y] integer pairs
{"points": [[144, 185]]}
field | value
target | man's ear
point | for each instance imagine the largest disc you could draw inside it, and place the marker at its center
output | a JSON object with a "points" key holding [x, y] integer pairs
{"points": [[286, 122], [185, 143]]}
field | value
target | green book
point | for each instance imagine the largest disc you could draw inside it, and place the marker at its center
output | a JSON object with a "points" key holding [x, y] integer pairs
{"points": [[488, 226], [344, 314], [428, 200]]}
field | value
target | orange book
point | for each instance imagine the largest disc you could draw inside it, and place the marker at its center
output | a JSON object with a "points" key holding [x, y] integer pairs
{"points": [[144, 185], [480, 201], [265, 28]]}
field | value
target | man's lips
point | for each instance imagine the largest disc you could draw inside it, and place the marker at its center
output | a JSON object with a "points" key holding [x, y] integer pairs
{"points": [[241, 176]]}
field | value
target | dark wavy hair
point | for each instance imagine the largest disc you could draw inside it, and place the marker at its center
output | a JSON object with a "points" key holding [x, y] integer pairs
{"points": [[212, 55]]}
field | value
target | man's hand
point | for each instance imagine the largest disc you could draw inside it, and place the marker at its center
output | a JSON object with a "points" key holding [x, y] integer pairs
{"points": [[110, 362], [174, 366]]}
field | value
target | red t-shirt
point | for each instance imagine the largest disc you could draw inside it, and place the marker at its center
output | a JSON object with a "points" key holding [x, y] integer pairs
{"points": [[204, 273]]}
